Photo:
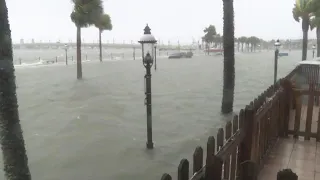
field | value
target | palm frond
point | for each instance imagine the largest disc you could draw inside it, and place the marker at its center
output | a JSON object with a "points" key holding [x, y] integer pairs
{"points": [[296, 13], [315, 22], [304, 6], [86, 12], [104, 22]]}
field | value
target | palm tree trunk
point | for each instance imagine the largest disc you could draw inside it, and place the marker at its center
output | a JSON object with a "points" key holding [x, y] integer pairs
{"points": [[305, 29], [318, 41], [11, 137], [79, 65], [242, 47], [238, 46], [318, 55], [229, 60], [100, 45]]}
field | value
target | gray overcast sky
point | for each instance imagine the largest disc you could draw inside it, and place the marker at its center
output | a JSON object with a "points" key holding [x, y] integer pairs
{"points": [[169, 19]]}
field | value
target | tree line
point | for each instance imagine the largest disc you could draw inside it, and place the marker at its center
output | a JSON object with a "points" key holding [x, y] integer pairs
{"points": [[246, 43], [213, 39]]}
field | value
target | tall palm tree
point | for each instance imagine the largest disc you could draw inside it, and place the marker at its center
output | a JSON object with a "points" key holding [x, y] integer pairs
{"points": [[254, 42], [243, 40], [302, 10], [209, 36], [315, 23], [251, 40], [238, 43], [84, 14], [229, 59], [11, 137], [219, 40], [103, 23], [248, 43]]}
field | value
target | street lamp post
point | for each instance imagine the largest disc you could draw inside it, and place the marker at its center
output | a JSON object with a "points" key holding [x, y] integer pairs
{"points": [[66, 49], [147, 42], [313, 50], [134, 53], [155, 57], [277, 45]]}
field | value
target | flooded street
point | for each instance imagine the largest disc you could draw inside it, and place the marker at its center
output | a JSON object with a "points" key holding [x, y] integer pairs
{"points": [[96, 128]]}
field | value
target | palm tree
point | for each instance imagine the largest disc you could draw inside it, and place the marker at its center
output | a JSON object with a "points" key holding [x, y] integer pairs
{"points": [[103, 23], [242, 41], [210, 33], [221, 41], [315, 23], [84, 14], [302, 10], [11, 137], [238, 43], [229, 59], [251, 41], [254, 42], [218, 41]]}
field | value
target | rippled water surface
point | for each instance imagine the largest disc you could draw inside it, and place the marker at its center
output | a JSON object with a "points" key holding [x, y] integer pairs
{"points": [[96, 128]]}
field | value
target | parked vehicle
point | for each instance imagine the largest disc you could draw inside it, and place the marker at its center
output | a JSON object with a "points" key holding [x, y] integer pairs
{"points": [[189, 54], [175, 56], [214, 50], [181, 55]]}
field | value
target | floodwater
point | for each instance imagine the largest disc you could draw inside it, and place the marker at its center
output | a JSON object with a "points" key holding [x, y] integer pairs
{"points": [[95, 128], [27, 57]]}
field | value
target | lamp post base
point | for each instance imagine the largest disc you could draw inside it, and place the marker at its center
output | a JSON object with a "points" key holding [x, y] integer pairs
{"points": [[149, 145]]}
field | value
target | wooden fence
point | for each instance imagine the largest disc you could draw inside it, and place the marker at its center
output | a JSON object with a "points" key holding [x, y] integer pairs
{"points": [[240, 149], [306, 113]]}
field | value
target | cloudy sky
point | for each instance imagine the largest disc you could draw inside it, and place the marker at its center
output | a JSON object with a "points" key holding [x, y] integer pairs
{"points": [[170, 20]]}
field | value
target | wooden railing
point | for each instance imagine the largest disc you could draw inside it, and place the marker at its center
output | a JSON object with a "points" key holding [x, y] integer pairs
{"points": [[306, 115], [240, 149]]}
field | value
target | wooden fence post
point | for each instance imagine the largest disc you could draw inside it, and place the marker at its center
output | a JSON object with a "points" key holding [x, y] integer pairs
{"points": [[240, 126], [234, 153], [166, 176], [249, 171], [246, 146], [288, 94], [226, 163], [318, 128], [183, 170], [209, 161], [309, 111], [281, 110], [220, 138], [214, 168], [197, 159]]}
